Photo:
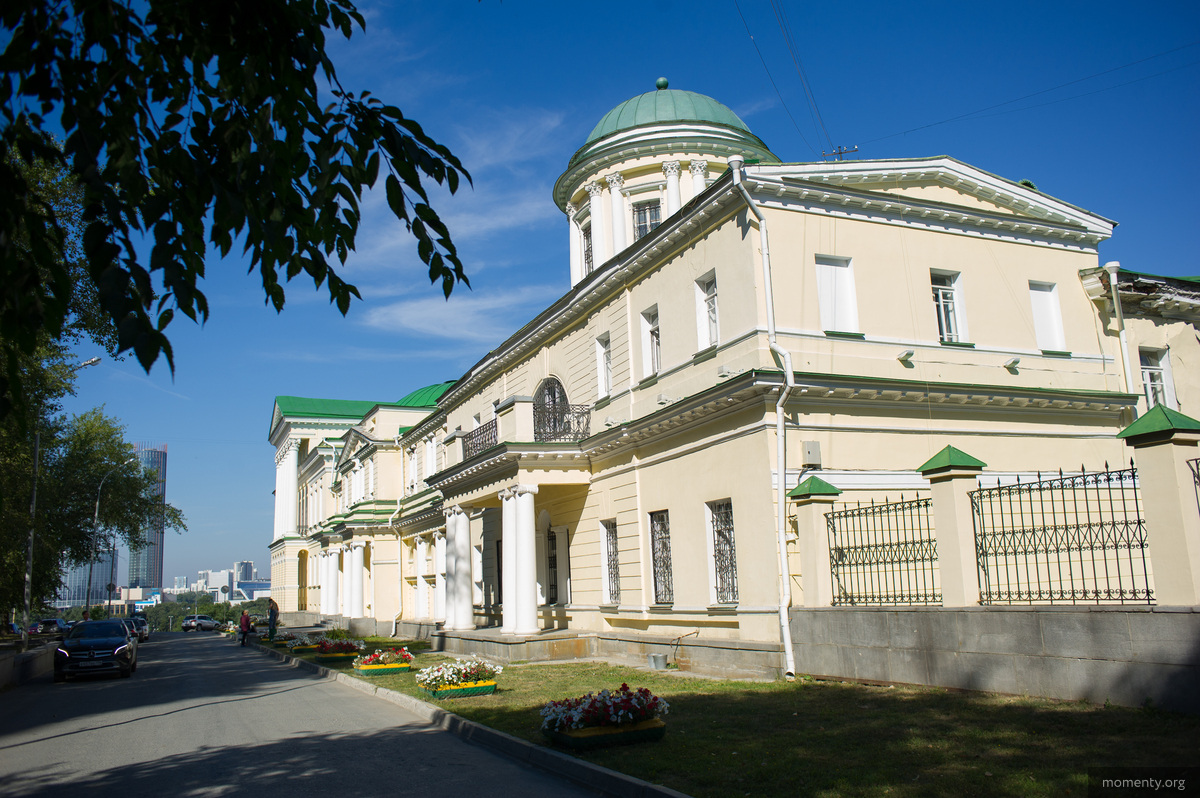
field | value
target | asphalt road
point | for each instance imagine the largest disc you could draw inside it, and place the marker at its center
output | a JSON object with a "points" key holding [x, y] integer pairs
{"points": [[204, 717]]}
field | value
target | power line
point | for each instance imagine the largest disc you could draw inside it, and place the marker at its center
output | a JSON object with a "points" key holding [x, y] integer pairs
{"points": [[772, 79], [789, 42], [1052, 88]]}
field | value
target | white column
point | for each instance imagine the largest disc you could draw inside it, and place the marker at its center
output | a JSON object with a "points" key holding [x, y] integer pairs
{"points": [[355, 609], [615, 182], [574, 244], [344, 582], [508, 561], [335, 582], [439, 587], [699, 170], [526, 575], [322, 563], [464, 609], [451, 555], [422, 596], [287, 459], [671, 170], [601, 244]]}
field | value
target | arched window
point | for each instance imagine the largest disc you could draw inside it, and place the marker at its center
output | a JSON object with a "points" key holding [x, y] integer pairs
{"points": [[554, 419]]}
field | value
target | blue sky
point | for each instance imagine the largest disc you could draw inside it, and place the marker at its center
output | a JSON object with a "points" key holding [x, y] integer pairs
{"points": [[1096, 102]]}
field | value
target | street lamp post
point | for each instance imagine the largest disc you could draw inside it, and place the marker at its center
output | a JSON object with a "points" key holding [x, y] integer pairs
{"points": [[87, 596], [37, 442]]}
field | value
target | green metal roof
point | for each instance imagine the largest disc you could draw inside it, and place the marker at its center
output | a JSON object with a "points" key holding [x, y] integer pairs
{"points": [[813, 486], [950, 458], [1158, 421], [323, 408], [427, 396], [664, 105]]}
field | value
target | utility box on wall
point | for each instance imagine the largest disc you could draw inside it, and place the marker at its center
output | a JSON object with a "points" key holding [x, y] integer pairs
{"points": [[810, 454]]}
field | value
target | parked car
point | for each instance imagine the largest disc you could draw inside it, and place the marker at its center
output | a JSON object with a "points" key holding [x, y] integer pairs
{"points": [[143, 628], [199, 623], [52, 626], [96, 647]]}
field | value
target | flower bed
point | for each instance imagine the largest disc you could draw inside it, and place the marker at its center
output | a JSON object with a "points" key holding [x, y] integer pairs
{"points": [[298, 644], [390, 661], [606, 718], [338, 650], [458, 679]]}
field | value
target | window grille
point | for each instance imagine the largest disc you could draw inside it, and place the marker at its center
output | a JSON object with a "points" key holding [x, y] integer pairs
{"points": [[944, 303], [551, 567], [660, 545], [554, 419], [587, 250], [645, 218], [725, 559], [614, 562]]}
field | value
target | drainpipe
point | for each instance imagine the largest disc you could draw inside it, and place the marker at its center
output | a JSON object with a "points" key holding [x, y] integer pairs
{"points": [[399, 573], [1112, 267], [789, 383]]}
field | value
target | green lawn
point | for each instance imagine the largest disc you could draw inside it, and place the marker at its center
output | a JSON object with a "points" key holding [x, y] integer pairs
{"points": [[728, 738]]}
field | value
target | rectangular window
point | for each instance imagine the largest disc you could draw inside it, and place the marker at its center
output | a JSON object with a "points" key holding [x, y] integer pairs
{"points": [[603, 366], [645, 218], [724, 559], [551, 567], [708, 332], [835, 293], [651, 343], [587, 250], [612, 581], [1156, 378], [947, 307], [660, 552], [1047, 316]]}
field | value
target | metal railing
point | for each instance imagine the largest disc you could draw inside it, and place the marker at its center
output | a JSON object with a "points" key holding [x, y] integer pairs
{"points": [[1068, 539], [1194, 465], [884, 554], [479, 439], [561, 423]]}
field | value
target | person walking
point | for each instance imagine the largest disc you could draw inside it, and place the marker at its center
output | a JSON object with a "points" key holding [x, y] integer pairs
{"points": [[244, 625], [272, 618]]}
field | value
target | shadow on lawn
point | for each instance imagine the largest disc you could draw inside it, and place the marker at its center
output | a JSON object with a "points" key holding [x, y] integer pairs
{"points": [[847, 739]]}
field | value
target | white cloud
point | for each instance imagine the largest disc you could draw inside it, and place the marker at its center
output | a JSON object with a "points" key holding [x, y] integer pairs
{"points": [[484, 318]]}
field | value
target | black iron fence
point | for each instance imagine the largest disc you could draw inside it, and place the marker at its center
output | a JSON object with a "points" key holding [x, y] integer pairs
{"points": [[1194, 465], [1068, 539], [561, 422], [884, 554], [479, 439]]}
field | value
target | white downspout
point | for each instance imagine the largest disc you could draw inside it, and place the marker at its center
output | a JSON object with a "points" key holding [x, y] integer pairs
{"points": [[399, 572], [1112, 267], [789, 382]]}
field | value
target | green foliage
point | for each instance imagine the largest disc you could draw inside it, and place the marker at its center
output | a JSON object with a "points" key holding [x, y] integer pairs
{"points": [[74, 456], [189, 124]]}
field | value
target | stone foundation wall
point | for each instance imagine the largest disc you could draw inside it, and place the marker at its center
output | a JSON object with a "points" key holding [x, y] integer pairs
{"points": [[1120, 654]]}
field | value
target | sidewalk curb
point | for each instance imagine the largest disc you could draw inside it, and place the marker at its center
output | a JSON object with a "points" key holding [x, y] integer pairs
{"points": [[608, 782]]}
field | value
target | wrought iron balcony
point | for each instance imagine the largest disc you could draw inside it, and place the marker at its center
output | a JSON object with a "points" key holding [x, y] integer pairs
{"points": [[479, 439], [561, 423]]}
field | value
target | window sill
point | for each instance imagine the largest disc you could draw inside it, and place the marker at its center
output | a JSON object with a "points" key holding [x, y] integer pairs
{"points": [[1055, 353], [707, 353], [722, 609], [668, 607], [602, 403], [610, 608], [853, 336], [648, 381], [960, 344]]}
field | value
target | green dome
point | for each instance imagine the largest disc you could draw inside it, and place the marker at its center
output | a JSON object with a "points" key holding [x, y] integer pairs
{"points": [[665, 105], [427, 396]]}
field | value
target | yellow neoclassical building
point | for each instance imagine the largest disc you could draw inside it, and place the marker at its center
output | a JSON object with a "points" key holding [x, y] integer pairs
{"points": [[614, 478]]}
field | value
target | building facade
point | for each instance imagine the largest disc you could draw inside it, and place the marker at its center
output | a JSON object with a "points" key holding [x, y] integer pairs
{"points": [[146, 563], [617, 470]]}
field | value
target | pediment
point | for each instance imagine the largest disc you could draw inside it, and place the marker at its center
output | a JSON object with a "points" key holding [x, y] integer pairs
{"points": [[353, 441], [941, 189]]}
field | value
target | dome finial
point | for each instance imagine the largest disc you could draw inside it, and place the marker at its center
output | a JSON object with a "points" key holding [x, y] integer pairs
{"points": [[661, 83]]}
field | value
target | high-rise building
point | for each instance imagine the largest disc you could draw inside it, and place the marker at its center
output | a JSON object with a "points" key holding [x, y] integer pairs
{"points": [[181, 583], [74, 592], [146, 564], [243, 571]]}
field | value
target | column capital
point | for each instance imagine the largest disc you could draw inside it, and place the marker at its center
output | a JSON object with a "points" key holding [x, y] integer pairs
{"points": [[356, 544], [521, 490], [670, 168], [285, 449], [594, 189], [571, 210], [698, 168], [615, 181]]}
